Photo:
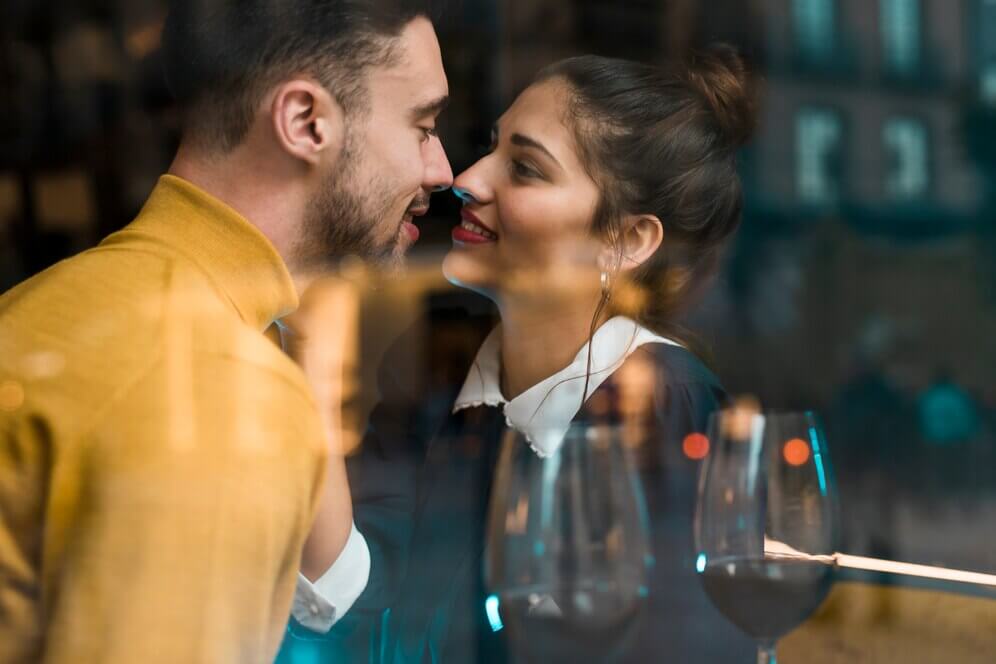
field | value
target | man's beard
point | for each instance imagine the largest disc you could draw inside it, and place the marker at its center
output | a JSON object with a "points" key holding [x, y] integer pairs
{"points": [[342, 220]]}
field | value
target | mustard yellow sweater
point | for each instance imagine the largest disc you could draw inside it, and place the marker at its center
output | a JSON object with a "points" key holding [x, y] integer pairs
{"points": [[160, 458]]}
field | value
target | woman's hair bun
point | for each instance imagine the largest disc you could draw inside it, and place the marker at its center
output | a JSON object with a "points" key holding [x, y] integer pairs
{"points": [[721, 76]]}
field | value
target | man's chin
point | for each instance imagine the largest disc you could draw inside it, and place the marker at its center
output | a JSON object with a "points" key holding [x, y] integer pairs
{"points": [[398, 260], [388, 261]]}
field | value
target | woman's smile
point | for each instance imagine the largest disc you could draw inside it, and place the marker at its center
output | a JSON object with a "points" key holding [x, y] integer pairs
{"points": [[471, 230]]}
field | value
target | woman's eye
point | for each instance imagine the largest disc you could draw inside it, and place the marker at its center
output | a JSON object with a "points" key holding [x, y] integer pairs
{"points": [[523, 170], [428, 133]]}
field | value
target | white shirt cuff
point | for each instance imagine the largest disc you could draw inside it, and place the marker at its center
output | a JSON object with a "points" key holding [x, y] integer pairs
{"points": [[319, 605]]}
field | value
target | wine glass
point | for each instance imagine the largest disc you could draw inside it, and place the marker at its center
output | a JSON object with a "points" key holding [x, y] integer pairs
{"points": [[766, 521], [567, 547]]}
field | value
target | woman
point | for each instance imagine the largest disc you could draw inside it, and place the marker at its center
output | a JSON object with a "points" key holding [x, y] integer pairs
{"points": [[603, 172], [629, 170]]}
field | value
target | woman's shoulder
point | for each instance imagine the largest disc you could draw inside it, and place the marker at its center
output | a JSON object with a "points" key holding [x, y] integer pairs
{"points": [[662, 382], [675, 366]]}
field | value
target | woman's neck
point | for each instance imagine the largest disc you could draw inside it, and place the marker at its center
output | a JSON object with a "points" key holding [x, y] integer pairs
{"points": [[537, 343]]}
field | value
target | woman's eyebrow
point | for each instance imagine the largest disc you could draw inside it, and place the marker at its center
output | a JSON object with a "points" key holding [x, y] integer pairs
{"points": [[524, 141]]}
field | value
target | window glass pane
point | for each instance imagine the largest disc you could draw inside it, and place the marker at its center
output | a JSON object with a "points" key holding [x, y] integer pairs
{"points": [[818, 136], [900, 23], [986, 50], [987, 83], [906, 141], [814, 28]]}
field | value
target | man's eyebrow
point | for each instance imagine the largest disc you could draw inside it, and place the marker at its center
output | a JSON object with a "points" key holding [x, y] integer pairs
{"points": [[434, 107], [526, 142]]}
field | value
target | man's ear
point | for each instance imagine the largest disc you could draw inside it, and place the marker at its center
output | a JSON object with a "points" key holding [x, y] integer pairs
{"points": [[641, 236], [308, 122]]}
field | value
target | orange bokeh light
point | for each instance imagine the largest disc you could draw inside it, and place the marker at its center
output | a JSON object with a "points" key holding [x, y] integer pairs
{"points": [[695, 446], [796, 452]]}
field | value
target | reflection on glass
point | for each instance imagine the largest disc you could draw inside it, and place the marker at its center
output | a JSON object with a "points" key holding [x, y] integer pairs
{"points": [[765, 524], [567, 548]]}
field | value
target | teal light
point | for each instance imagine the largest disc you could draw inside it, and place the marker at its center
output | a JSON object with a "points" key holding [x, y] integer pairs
{"points": [[491, 608], [814, 440], [303, 651], [700, 563]]}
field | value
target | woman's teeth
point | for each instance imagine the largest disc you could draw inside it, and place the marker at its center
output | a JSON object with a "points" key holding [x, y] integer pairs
{"points": [[474, 228]]}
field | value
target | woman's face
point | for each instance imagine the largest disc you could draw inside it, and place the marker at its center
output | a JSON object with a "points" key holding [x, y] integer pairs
{"points": [[528, 205]]}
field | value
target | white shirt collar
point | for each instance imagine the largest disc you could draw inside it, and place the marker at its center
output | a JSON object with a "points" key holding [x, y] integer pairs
{"points": [[543, 413]]}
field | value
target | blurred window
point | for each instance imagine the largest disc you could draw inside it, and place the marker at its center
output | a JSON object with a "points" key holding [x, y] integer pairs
{"points": [[987, 83], [814, 29], [986, 41], [818, 141], [948, 414], [900, 26], [907, 142]]}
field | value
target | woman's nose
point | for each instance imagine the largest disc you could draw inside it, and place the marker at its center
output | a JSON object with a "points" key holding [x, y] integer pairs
{"points": [[464, 194]]}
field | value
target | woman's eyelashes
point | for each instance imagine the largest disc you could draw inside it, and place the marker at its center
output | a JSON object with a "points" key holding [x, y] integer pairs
{"points": [[521, 169]]}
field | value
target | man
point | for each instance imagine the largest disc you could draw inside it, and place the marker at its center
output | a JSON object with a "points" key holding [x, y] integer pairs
{"points": [[162, 461]]}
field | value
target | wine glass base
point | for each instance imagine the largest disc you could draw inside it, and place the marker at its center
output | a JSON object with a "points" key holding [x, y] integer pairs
{"points": [[766, 653]]}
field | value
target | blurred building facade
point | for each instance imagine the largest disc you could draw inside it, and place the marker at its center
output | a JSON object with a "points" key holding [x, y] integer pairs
{"points": [[862, 281]]}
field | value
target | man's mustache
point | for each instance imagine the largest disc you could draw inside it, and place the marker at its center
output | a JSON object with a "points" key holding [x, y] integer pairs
{"points": [[420, 202]]}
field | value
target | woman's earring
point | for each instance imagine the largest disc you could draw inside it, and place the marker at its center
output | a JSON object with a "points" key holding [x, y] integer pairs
{"points": [[606, 285]]}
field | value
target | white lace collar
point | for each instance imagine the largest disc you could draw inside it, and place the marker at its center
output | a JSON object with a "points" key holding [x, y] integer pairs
{"points": [[543, 413]]}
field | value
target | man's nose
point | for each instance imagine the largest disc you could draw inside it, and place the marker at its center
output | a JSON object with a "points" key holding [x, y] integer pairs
{"points": [[438, 173]]}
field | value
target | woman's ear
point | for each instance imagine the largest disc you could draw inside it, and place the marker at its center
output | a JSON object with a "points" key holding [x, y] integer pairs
{"points": [[308, 123], [640, 238]]}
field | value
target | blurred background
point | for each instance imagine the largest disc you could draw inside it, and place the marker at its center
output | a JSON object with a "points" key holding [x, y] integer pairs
{"points": [[862, 283]]}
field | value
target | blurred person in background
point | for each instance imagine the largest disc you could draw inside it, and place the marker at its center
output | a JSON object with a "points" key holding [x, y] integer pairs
{"points": [[161, 460], [602, 173]]}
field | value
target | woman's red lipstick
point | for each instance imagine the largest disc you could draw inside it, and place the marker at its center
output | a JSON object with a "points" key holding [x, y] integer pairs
{"points": [[471, 230]]}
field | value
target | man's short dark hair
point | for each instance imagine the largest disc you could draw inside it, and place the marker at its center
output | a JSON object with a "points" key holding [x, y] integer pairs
{"points": [[221, 56]]}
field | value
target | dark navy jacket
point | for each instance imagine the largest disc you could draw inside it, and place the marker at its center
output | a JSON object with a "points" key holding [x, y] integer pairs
{"points": [[421, 486]]}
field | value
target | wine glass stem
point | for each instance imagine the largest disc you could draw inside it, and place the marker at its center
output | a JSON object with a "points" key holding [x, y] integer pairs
{"points": [[766, 653]]}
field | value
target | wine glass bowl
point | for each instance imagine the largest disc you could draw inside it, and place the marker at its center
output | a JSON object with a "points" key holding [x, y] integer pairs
{"points": [[567, 546], [766, 521]]}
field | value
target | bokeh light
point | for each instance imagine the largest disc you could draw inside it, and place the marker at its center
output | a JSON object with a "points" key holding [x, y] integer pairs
{"points": [[491, 608], [11, 396], [695, 446], [738, 422], [796, 452]]}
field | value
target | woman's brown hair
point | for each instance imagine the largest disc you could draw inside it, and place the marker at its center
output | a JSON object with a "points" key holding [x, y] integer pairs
{"points": [[663, 141]]}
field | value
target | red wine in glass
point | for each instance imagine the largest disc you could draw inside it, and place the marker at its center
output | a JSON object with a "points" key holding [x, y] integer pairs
{"points": [[766, 521]]}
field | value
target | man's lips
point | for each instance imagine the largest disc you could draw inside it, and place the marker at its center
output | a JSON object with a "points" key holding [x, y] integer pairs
{"points": [[408, 222], [412, 231]]}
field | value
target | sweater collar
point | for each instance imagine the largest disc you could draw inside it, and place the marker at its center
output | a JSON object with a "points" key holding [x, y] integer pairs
{"points": [[543, 413], [236, 257]]}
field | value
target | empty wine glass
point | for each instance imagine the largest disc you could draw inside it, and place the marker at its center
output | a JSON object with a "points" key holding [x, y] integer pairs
{"points": [[766, 521], [567, 548]]}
